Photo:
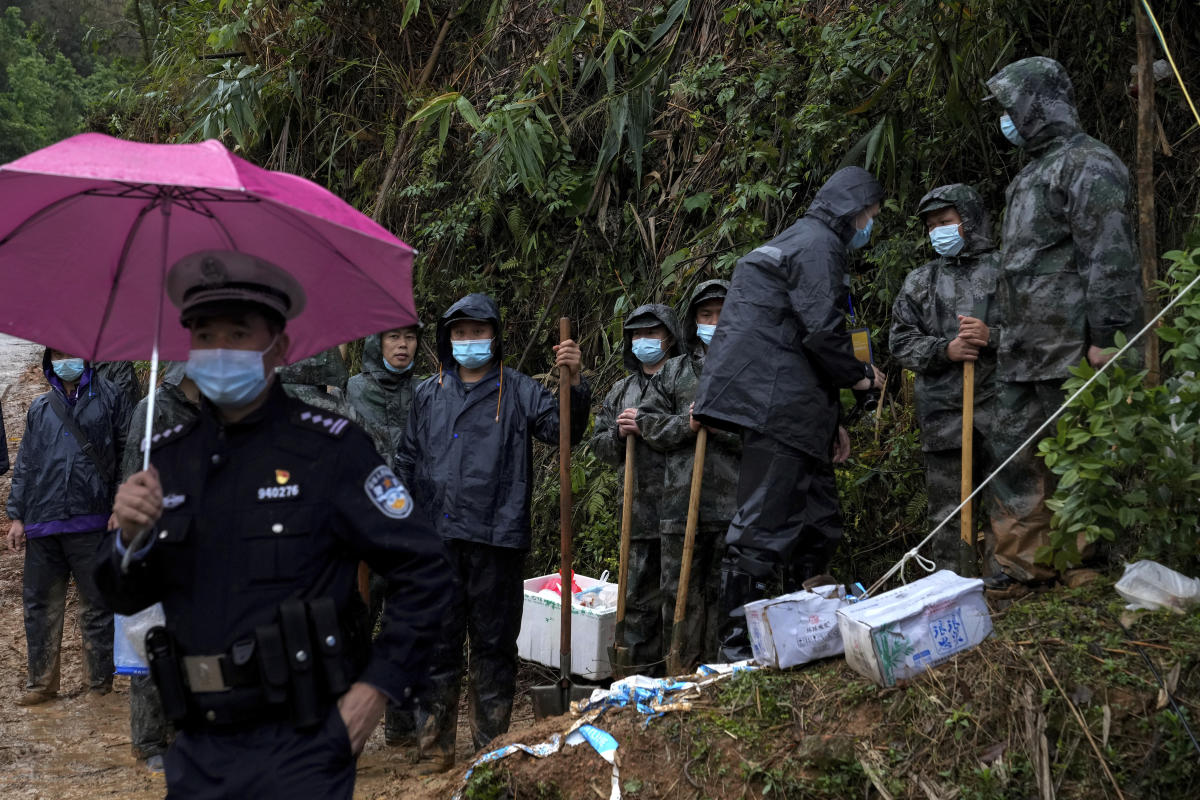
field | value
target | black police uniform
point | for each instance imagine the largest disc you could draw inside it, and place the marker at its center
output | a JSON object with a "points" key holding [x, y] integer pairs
{"points": [[255, 562]]}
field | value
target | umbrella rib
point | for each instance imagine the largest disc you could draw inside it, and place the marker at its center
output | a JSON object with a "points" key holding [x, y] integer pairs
{"points": [[112, 294], [42, 212]]}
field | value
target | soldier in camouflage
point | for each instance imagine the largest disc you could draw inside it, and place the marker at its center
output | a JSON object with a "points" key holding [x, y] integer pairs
{"points": [[383, 392], [942, 318], [1069, 281], [177, 402], [651, 336], [320, 381], [667, 425]]}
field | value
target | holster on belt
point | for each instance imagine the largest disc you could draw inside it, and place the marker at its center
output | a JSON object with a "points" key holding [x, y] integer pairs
{"points": [[328, 635], [272, 663], [167, 673], [293, 621]]}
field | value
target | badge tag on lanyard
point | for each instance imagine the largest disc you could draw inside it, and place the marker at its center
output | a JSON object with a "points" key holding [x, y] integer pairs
{"points": [[860, 338]]}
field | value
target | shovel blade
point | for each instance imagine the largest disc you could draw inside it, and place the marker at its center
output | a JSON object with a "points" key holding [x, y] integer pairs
{"points": [[555, 700]]}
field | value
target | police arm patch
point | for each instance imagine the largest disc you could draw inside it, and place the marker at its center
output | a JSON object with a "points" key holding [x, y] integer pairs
{"points": [[387, 493]]}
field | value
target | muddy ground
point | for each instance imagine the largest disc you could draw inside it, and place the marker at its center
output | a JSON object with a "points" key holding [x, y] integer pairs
{"points": [[79, 747]]}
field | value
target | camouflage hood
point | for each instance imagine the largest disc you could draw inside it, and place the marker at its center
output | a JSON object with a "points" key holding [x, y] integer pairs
{"points": [[976, 222], [844, 195], [705, 291], [644, 317], [323, 369], [1036, 92]]}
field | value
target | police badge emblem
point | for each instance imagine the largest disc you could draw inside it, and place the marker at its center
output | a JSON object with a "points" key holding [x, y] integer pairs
{"points": [[388, 494]]}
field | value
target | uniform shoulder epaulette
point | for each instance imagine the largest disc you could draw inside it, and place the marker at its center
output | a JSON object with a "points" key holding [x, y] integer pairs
{"points": [[322, 421], [167, 434]]}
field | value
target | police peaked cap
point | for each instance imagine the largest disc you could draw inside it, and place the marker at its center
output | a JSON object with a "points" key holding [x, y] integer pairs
{"points": [[209, 282]]}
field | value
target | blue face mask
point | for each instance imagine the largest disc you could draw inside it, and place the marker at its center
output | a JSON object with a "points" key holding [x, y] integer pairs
{"points": [[946, 240], [705, 332], [396, 370], [1010, 131], [861, 237], [472, 353], [229, 378], [648, 351], [68, 369]]}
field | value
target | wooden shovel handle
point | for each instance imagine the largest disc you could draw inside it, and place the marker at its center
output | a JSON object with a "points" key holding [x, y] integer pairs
{"points": [[689, 547], [564, 496], [626, 532], [967, 526]]}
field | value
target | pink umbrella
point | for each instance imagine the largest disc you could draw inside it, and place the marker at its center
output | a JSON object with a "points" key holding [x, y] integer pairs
{"points": [[88, 227]]}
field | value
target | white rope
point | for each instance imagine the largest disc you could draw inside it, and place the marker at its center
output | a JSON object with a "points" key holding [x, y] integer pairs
{"points": [[914, 554]]}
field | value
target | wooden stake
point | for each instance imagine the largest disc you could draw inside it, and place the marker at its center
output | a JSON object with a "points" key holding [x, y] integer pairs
{"points": [[1146, 136], [967, 526]]}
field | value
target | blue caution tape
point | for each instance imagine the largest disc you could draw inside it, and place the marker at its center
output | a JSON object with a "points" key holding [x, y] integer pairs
{"points": [[604, 744], [546, 748]]}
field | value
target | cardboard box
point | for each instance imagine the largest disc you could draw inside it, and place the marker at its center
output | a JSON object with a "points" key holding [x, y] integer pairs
{"points": [[796, 628], [593, 631], [901, 633]]}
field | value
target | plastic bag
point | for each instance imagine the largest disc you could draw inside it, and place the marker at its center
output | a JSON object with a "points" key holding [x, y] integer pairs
{"points": [[1150, 585], [129, 639]]}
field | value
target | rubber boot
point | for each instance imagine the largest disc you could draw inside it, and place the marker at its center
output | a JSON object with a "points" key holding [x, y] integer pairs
{"points": [[737, 589]]}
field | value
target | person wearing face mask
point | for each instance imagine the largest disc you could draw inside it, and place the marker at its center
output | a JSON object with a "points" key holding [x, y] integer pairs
{"points": [[944, 316], [1069, 281], [383, 391], [467, 455], [257, 512], [651, 336], [668, 426], [62, 491], [773, 372]]}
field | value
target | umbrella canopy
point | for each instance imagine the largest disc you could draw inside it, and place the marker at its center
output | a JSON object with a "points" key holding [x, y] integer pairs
{"points": [[88, 227]]}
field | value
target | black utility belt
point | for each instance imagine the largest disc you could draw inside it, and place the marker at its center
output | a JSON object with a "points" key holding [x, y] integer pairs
{"points": [[297, 666]]}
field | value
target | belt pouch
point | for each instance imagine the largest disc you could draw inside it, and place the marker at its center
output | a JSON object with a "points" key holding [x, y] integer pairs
{"points": [[293, 620], [165, 669], [328, 635], [272, 663]]}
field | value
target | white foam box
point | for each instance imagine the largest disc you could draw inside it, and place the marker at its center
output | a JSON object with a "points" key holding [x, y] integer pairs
{"points": [[796, 628], [593, 631], [901, 633]]}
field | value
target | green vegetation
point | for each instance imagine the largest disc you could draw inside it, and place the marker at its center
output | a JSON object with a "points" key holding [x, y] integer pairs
{"points": [[582, 157], [1126, 454]]}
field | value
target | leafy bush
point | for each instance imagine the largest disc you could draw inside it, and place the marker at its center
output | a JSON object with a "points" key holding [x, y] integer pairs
{"points": [[1126, 453]]}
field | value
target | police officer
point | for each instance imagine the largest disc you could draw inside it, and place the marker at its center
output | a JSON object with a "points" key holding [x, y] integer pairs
{"points": [[258, 513]]}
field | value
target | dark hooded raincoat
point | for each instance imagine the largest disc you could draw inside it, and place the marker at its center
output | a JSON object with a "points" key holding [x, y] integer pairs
{"points": [[56, 487], [467, 451], [781, 351]]}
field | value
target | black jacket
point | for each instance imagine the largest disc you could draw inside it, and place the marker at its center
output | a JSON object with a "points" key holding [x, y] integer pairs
{"points": [[781, 350], [52, 478], [282, 504], [467, 451]]}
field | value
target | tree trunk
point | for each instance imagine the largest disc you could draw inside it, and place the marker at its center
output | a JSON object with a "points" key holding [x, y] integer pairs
{"points": [[1147, 237]]}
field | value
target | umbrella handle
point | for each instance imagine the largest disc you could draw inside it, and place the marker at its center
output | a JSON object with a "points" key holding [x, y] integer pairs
{"points": [[564, 502]]}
